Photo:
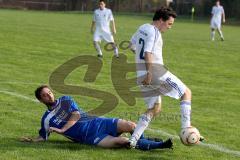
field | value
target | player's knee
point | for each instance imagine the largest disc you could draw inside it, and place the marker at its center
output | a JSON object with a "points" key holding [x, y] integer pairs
{"points": [[188, 92], [156, 109], [131, 126]]}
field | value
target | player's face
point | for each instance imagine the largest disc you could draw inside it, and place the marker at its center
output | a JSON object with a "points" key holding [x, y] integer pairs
{"points": [[217, 3], [102, 5], [47, 96], [165, 25]]}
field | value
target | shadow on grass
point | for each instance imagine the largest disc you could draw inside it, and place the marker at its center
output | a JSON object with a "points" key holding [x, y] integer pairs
{"points": [[13, 144], [7, 144]]}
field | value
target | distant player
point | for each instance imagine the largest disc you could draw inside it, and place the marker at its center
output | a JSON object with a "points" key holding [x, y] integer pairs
{"points": [[218, 16], [151, 74], [64, 117], [101, 22]]}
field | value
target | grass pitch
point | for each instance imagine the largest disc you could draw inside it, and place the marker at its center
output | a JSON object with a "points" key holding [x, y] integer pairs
{"points": [[34, 44]]}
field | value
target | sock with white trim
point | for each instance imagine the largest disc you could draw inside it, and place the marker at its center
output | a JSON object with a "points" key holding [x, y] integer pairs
{"points": [[185, 113]]}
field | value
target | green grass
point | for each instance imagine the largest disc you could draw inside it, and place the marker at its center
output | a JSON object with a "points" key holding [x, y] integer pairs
{"points": [[34, 44]]}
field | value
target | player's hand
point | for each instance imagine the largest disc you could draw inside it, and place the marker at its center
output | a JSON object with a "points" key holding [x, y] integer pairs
{"points": [[224, 20], [148, 79], [26, 139], [53, 129]]}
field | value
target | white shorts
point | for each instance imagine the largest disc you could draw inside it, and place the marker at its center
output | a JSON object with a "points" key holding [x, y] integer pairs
{"points": [[216, 24], [167, 85], [102, 35]]}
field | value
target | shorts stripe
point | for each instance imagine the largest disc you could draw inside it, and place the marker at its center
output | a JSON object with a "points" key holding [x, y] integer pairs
{"points": [[175, 86]]}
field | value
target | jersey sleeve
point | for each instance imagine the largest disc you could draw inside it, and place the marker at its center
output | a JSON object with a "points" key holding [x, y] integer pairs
{"points": [[94, 16], [149, 41], [74, 107], [133, 41], [223, 10], [110, 15], [43, 131], [212, 12]]}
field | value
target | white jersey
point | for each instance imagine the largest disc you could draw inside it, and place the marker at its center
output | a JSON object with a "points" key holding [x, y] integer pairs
{"points": [[102, 19], [217, 12], [147, 39]]}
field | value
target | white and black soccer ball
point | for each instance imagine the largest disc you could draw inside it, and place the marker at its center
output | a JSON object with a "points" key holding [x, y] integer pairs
{"points": [[190, 136]]}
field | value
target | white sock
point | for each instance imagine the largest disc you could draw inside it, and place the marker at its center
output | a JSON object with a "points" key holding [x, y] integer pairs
{"points": [[185, 113], [98, 48], [212, 35], [116, 51], [221, 34], [143, 123]]}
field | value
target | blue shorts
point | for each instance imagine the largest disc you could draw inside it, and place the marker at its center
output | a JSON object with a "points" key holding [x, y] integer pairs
{"points": [[99, 128]]}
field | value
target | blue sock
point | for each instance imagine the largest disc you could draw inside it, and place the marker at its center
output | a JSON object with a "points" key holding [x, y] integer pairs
{"points": [[144, 144], [142, 136]]}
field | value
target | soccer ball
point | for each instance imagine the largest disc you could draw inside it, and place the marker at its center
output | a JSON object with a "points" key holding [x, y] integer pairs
{"points": [[189, 136]]}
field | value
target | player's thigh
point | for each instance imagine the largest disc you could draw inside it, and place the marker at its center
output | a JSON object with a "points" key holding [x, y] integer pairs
{"points": [[108, 37], [97, 36], [125, 126], [113, 142], [156, 109], [171, 86]]}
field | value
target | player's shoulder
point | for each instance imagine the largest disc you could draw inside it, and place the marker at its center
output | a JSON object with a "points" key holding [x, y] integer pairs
{"points": [[108, 9], [96, 10], [147, 29]]}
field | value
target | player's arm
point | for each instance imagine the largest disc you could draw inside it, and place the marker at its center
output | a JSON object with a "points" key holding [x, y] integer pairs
{"points": [[148, 64], [223, 16], [30, 139], [113, 27], [93, 26], [75, 116]]}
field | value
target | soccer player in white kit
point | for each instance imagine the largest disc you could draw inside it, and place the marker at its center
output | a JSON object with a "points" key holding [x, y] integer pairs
{"points": [[101, 22], [218, 15], [151, 75]]}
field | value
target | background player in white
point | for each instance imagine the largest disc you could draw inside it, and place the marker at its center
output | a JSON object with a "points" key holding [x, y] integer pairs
{"points": [[101, 22], [218, 15], [151, 74]]}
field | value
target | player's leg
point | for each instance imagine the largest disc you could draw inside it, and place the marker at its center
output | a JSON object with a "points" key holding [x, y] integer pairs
{"points": [[175, 88], [115, 50], [125, 126], [185, 105], [144, 121], [145, 144], [113, 142], [107, 36], [212, 34], [96, 43], [213, 27], [220, 32]]}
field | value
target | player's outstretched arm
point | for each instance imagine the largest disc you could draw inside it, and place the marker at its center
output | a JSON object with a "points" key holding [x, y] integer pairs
{"points": [[93, 26], [75, 116], [114, 31], [30, 139]]}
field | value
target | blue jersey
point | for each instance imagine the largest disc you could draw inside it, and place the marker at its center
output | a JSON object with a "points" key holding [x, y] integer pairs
{"points": [[89, 130]]}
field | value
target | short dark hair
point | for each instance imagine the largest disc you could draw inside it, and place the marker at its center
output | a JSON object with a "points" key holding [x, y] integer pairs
{"points": [[39, 90], [102, 1], [164, 13]]}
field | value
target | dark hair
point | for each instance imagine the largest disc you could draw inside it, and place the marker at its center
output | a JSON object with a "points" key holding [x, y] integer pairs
{"points": [[164, 13], [102, 1], [39, 90]]}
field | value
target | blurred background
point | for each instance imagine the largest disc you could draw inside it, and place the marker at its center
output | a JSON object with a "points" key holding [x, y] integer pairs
{"points": [[182, 7]]}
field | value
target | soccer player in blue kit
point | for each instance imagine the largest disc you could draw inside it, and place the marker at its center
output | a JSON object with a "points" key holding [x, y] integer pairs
{"points": [[64, 117]]}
